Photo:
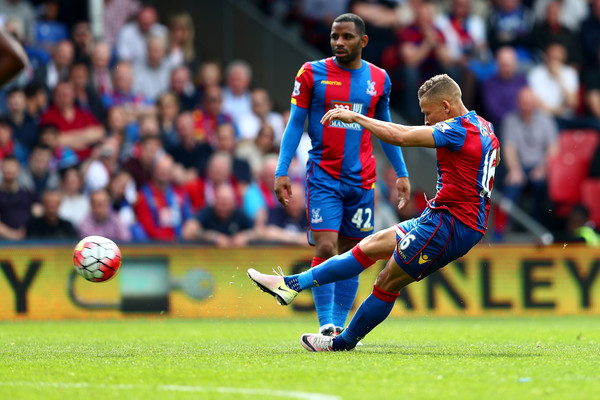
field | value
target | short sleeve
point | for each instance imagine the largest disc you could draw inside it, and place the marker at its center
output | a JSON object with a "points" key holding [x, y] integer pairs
{"points": [[449, 134], [303, 86]]}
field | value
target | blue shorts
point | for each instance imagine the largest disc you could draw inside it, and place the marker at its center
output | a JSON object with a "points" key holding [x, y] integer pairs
{"points": [[430, 241], [335, 206]]}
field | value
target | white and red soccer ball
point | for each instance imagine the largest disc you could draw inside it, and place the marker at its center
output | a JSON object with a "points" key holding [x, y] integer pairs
{"points": [[97, 258]]}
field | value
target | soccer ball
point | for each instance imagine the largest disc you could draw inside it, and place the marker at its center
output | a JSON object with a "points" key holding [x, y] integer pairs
{"points": [[96, 258]]}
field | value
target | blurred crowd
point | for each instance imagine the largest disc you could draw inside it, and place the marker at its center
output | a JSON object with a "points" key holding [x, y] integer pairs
{"points": [[136, 137]]}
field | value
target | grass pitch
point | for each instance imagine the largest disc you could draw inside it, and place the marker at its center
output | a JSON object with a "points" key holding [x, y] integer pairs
{"points": [[412, 358]]}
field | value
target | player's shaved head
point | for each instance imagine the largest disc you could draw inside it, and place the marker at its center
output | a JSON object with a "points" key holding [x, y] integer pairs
{"points": [[438, 88], [355, 19]]}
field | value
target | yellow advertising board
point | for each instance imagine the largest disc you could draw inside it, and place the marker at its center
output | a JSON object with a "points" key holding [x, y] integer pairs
{"points": [[37, 282]]}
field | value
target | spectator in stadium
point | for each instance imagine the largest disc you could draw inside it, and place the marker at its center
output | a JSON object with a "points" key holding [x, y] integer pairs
{"points": [[218, 172], [124, 95], [48, 29], [123, 194], [570, 13], [590, 35], [8, 144], [25, 12], [530, 139], [36, 100], [100, 68], [49, 226], [127, 132], [86, 97], [499, 92], [152, 74], [284, 224], [168, 109], [84, 42], [78, 129], [24, 126], [62, 157], [262, 113], [423, 53], [256, 150], [74, 206], [103, 163], [260, 196], [211, 115], [556, 85], [191, 153], [131, 41], [464, 33], [116, 14], [102, 220], [223, 223], [550, 29], [225, 142], [208, 74], [381, 21], [37, 176], [57, 69], [163, 209], [16, 203], [237, 101], [510, 23], [181, 84], [181, 40], [140, 164]]}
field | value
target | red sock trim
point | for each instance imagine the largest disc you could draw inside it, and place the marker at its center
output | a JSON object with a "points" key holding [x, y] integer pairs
{"points": [[361, 257], [384, 296], [316, 261]]}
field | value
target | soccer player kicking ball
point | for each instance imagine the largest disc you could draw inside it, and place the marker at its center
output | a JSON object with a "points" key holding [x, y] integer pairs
{"points": [[455, 219]]}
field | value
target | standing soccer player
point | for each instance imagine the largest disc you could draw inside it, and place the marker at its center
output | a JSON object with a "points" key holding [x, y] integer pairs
{"points": [[341, 167], [12, 57], [455, 220]]}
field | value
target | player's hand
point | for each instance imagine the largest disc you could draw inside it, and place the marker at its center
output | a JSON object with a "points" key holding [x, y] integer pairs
{"points": [[339, 114], [403, 187], [283, 189]]}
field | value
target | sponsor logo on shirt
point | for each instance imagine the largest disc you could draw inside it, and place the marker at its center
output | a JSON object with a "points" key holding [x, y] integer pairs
{"points": [[333, 83], [356, 107]]}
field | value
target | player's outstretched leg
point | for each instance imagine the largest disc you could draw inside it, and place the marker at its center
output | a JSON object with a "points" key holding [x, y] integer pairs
{"points": [[273, 285], [286, 288], [374, 310]]}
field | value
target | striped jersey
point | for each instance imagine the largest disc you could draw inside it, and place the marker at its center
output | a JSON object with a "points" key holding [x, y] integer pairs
{"points": [[466, 148], [343, 150]]}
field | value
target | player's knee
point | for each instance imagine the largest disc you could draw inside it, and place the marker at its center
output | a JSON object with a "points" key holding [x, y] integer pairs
{"points": [[325, 248], [393, 278]]}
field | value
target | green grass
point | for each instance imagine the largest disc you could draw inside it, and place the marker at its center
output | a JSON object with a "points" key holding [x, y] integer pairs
{"points": [[412, 358]]}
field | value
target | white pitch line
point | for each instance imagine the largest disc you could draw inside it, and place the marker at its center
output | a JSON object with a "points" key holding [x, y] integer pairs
{"points": [[183, 388]]}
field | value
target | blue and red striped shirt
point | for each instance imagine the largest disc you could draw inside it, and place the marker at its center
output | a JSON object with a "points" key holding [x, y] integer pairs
{"points": [[343, 150], [466, 149]]}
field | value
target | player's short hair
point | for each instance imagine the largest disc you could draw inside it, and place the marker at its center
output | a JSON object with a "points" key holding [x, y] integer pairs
{"points": [[358, 22], [440, 87]]}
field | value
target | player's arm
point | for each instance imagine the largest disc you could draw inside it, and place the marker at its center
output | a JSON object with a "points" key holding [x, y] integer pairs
{"points": [[388, 132], [13, 58], [394, 155], [289, 143]]}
